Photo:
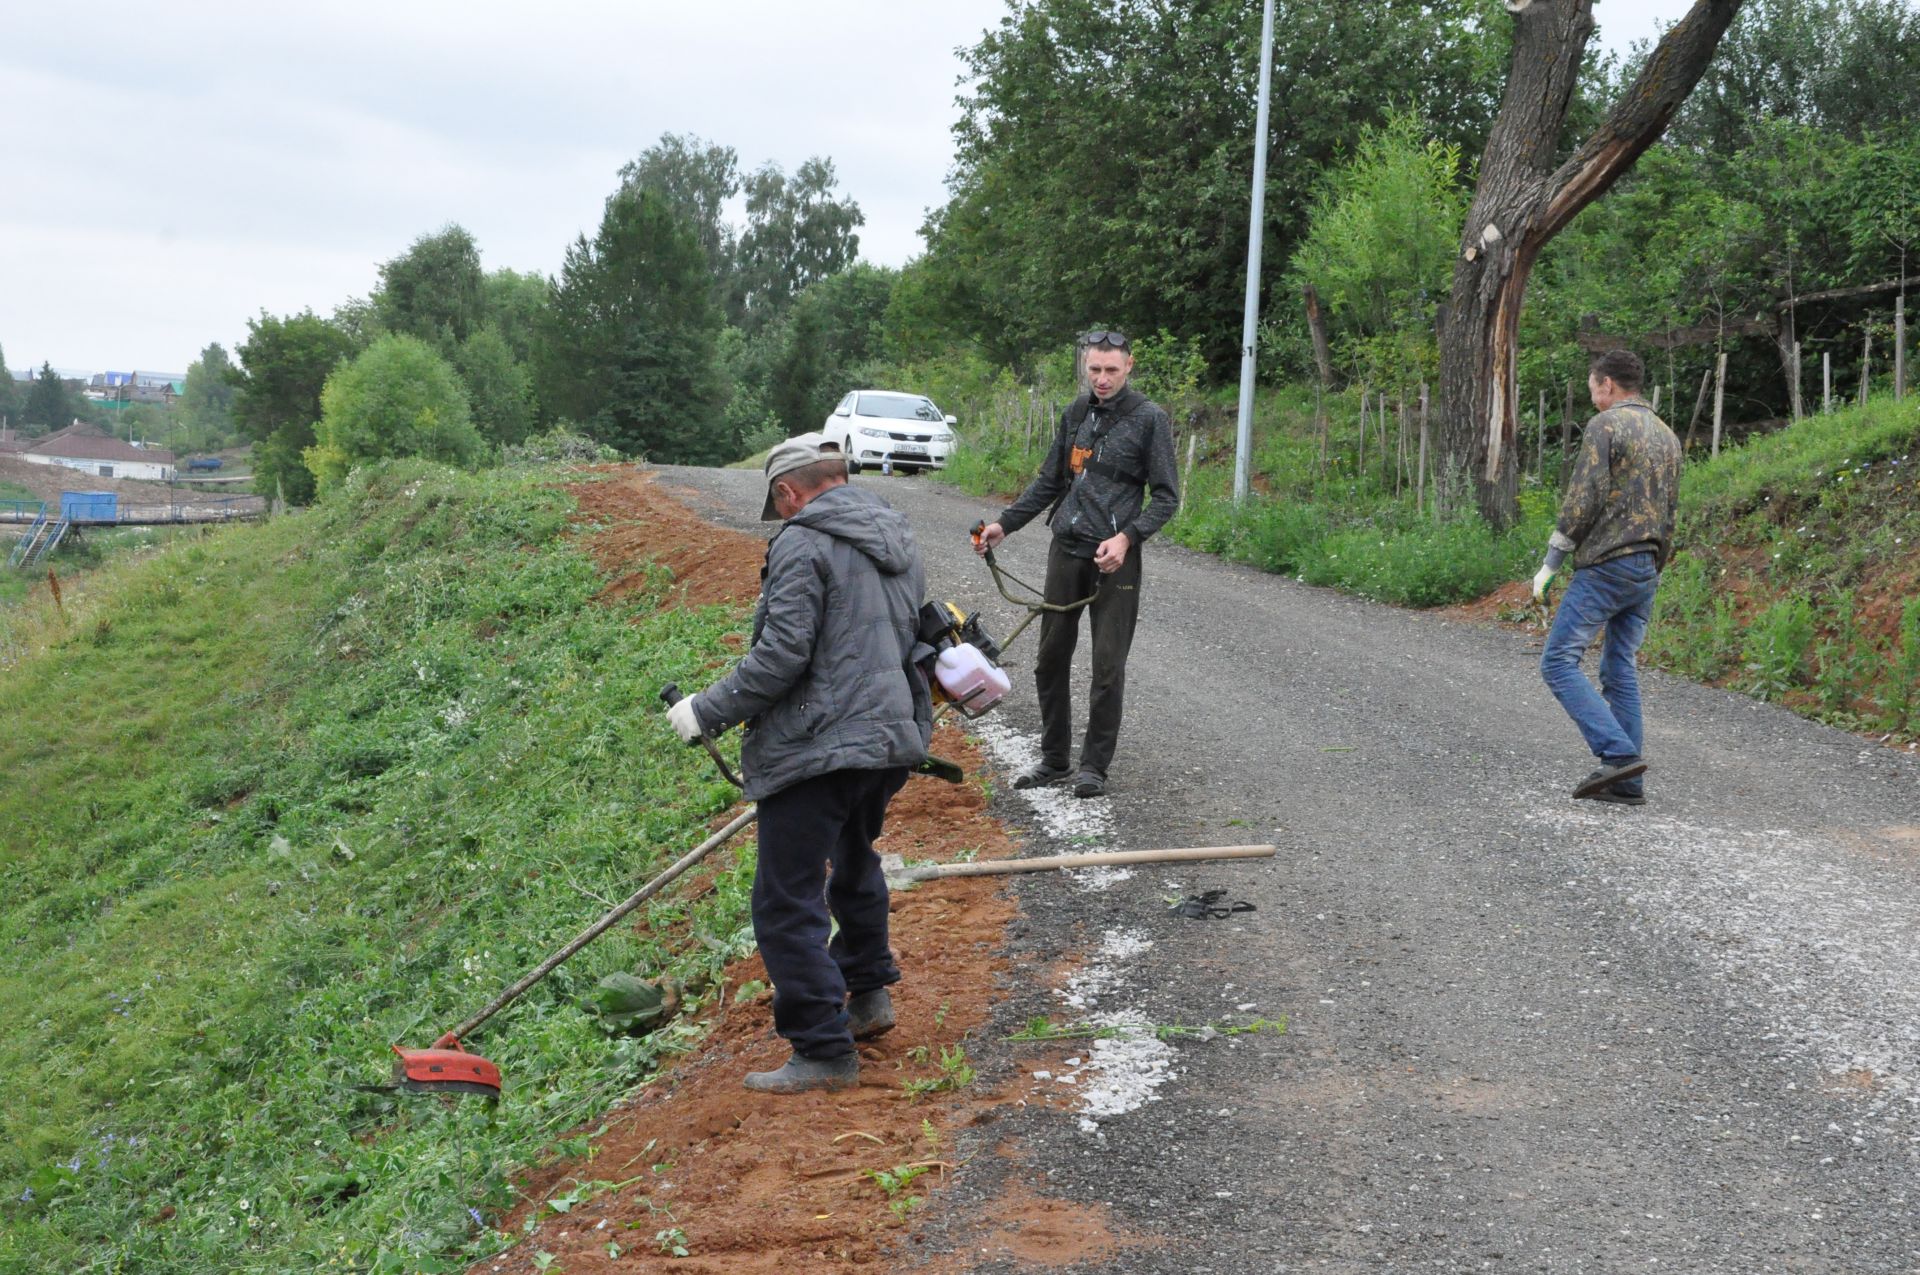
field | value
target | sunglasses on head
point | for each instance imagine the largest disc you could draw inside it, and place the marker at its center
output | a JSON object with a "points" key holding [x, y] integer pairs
{"points": [[1113, 340]]}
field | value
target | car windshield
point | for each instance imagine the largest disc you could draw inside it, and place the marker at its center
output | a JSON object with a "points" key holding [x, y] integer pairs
{"points": [[898, 407]]}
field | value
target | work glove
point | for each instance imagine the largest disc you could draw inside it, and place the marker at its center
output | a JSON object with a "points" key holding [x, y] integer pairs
{"points": [[1540, 580], [686, 722]]}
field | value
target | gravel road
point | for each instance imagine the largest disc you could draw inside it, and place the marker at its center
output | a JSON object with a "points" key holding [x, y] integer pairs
{"points": [[1524, 1033]]}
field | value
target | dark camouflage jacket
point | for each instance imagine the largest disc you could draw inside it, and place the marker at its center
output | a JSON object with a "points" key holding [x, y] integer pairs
{"points": [[1620, 498], [1111, 469]]}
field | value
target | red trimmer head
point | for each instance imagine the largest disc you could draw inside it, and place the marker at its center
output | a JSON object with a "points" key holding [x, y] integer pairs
{"points": [[445, 1068]]}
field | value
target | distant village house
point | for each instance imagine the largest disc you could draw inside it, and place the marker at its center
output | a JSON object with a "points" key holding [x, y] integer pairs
{"points": [[82, 447]]}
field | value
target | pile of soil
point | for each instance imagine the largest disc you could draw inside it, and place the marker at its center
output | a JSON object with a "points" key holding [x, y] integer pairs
{"points": [[753, 1184]]}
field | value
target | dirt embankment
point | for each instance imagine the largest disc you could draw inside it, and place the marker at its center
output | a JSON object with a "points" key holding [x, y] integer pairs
{"points": [[751, 1184]]}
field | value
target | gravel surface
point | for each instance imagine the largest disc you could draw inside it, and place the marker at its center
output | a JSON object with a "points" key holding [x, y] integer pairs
{"points": [[1525, 1033]]}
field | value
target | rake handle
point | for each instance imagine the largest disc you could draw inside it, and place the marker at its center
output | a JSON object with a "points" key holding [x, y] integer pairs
{"points": [[1109, 858]]}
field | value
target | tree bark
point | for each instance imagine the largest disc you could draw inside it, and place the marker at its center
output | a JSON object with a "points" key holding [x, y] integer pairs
{"points": [[1317, 325], [1523, 201]]}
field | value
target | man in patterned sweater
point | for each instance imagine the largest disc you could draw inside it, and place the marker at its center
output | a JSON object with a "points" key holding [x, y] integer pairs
{"points": [[1616, 520]]}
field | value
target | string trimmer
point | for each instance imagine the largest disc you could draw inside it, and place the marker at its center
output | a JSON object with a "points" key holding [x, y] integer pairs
{"points": [[448, 1068]]}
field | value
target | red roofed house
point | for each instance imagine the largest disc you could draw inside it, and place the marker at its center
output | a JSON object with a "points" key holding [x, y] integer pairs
{"points": [[82, 447]]}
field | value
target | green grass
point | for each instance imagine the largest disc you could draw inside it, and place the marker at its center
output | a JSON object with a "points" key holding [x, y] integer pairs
{"points": [[280, 796], [14, 491]]}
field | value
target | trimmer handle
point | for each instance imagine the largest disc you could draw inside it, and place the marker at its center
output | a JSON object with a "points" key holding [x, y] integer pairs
{"points": [[976, 532], [670, 694]]}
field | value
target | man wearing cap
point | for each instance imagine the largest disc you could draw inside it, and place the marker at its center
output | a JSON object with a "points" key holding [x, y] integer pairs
{"points": [[1115, 446], [836, 714]]}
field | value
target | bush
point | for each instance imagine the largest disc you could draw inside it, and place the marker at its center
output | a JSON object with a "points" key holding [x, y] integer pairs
{"points": [[1776, 647]]}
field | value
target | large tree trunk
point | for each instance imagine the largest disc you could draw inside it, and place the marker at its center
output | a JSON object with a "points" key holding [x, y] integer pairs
{"points": [[1522, 202]]}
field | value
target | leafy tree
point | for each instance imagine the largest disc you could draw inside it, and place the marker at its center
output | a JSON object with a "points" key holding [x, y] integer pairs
{"points": [[1103, 156], [498, 386], [628, 347], [833, 327], [397, 398], [1380, 243], [435, 290], [50, 404], [515, 304], [696, 178], [797, 232], [1806, 62], [284, 365], [206, 405]]}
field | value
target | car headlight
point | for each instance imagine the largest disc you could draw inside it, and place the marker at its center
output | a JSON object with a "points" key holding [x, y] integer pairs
{"points": [[943, 436], [870, 432]]}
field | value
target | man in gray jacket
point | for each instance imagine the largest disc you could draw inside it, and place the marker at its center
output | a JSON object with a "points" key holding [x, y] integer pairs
{"points": [[836, 715], [1111, 482]]}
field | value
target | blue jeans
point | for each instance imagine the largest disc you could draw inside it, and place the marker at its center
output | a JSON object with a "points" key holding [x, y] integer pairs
{"points": [[1616, 595]]}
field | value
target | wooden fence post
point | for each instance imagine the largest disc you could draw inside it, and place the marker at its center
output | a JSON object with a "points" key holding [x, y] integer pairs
{"points": [[1656, 400], [1360, 469], [1320, 423], [1540, 448], [1797, 413], [1193, 441], [1900, 347], [1866, 361], [1420, 488], [1826, 382], [1719, 398], [1400, 446], [1699, 406], [1566, 436]]}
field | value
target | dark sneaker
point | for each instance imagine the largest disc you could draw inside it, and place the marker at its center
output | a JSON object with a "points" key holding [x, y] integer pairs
{"points": [[1086, 784], [1607, 776], [1041, 776], [870, 1014], [1621, 795], [803, 1075]]}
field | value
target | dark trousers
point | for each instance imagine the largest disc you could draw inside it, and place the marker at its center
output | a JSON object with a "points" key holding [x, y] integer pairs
{"points": [[1115, 610], [829, 821]]}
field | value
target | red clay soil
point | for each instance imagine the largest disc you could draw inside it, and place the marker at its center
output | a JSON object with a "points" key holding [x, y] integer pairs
{"points": [[752, 1184], [640, 530]]}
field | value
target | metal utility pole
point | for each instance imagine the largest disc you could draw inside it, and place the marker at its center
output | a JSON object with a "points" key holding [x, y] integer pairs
{"points": [[1243, 442]]}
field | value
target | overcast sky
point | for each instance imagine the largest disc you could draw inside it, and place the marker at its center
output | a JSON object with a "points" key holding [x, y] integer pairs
{"points": [[172, 171]]}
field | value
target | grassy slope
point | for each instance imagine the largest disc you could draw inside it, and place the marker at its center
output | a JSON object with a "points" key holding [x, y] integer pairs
{"points": [[277, 798], [1799, 567], [1799, 546]]}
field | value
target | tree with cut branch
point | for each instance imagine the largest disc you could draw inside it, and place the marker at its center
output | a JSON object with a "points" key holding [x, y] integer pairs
{"points": [[1523, 200]]}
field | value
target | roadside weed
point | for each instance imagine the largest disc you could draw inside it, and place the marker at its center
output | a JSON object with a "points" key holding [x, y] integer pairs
{"points": [[955, 1073]]}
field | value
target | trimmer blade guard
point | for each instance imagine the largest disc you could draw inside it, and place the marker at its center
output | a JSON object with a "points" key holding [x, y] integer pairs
{"points": [[451, 1070]]}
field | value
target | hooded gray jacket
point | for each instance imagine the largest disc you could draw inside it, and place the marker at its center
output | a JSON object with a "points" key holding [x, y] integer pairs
{"points": [[829, 683]]}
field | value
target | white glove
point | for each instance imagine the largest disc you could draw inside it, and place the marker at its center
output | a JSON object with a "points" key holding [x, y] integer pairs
{"points": [[686, 722], [1540, 579]]}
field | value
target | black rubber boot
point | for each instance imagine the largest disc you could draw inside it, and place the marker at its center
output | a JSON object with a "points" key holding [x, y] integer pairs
{"points": [[870, 1014], [803, 1075], [1088, 784]]}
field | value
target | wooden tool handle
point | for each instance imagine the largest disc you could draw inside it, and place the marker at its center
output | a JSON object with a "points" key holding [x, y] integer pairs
{"points": [[1105, 859]]}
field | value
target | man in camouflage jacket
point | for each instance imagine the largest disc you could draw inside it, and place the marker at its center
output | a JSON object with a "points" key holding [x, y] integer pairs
{"points": [[1616, 520], [1111, 481]]}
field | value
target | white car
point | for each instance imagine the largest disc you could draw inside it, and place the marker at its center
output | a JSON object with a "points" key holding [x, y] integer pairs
{"points": [[874, 427]]}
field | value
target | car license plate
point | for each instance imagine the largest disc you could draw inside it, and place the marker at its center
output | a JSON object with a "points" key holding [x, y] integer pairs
{"points": [[909, 449]]}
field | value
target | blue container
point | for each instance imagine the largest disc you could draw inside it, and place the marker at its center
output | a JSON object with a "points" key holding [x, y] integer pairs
{"points": [[89, 506]]}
